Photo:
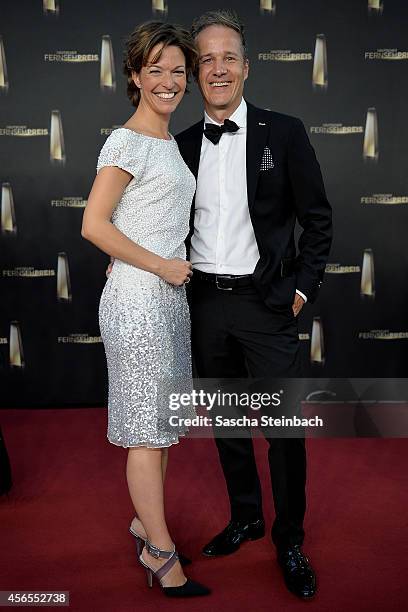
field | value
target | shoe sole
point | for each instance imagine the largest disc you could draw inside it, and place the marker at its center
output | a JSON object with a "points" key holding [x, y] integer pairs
{"points": [[249, 539], [298, 595]]}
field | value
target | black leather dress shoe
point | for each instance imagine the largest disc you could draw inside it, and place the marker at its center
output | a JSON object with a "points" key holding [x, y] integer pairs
{"points": [[231, 538], [297, 571]]}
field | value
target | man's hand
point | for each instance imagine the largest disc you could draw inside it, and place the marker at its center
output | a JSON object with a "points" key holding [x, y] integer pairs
{"points": [[109, 268], [297, 304]]}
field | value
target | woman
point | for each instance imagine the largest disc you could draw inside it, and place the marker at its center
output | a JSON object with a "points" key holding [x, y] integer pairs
{"points": [[138, 212]]}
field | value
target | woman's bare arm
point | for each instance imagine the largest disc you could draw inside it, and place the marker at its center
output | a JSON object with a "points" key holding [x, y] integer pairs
{"points": [[97, 227]]}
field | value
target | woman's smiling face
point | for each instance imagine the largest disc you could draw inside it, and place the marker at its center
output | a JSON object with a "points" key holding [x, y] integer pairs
{"points": [[162, 82]]}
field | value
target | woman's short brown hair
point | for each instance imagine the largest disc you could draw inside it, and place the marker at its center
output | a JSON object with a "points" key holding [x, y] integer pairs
{"points": [[141, 42]]}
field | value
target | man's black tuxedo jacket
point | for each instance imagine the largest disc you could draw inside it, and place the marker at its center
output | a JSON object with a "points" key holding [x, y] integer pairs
{"points": [[292, 189]]}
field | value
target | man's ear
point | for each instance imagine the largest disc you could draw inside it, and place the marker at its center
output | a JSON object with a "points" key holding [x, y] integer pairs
{"points": [[246, 68]]}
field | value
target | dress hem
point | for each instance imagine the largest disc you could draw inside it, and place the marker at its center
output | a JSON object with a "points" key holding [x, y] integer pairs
{"points": [[146, 444]]}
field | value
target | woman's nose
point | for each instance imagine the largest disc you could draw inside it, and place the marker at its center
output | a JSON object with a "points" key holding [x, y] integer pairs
{"points": [[168, 80]]}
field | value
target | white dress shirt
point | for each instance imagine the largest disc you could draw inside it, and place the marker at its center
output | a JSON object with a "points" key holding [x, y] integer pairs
{"points": [[224, 241]]}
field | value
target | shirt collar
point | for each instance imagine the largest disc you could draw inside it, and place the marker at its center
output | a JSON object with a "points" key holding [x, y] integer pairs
{"points": [[239, 116]]}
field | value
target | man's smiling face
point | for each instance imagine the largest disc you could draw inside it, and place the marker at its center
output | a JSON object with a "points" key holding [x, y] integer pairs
{"points": [[222, 68]]}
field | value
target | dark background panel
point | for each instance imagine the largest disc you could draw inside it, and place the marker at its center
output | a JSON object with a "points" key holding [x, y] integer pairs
{"points": [[62, 373]]}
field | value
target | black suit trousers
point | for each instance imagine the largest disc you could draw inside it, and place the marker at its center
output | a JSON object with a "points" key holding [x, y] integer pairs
{"points": [[235, 335]]}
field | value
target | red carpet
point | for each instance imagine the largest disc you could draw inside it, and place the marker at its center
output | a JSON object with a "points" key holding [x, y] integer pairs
{"points": [[64, 524]]}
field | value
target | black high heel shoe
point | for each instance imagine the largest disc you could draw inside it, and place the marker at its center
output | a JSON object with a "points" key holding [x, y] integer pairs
{"points": [[189, 589], [140, 542]]}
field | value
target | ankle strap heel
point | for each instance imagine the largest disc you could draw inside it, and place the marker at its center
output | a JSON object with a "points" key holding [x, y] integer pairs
{"points": [[140, 542], [157, 553], [188, 589]]}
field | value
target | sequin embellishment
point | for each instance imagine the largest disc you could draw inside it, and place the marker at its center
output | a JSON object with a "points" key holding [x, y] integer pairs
{"points": [[144, 321]]}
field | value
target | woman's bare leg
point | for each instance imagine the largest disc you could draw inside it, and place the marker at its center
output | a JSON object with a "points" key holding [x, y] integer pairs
{"points": [[136, 522], [165, 459], [144, 472]]}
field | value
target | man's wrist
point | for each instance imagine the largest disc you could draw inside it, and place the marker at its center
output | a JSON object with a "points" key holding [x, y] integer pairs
{"points": [[302, 295]]}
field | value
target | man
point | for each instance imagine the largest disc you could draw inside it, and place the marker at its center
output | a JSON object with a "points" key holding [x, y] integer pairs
{"points": [[256, 174]]}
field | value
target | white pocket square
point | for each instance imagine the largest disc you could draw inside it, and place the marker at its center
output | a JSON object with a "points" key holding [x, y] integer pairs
{"points": [[267, 161]]}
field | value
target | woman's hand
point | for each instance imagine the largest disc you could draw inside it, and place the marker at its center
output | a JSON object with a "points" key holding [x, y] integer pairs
{"points": [[176, 271], [109, 268]]}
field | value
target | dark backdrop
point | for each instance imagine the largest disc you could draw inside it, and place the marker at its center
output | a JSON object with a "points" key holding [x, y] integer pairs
{"points": [[50, 348]]}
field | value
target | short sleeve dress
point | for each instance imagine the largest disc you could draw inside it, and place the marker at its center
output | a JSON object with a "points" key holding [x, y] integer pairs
{"points": [[144, 321]]}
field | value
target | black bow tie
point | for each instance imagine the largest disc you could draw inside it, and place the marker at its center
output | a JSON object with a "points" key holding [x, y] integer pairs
{"points": [[214, 132]]}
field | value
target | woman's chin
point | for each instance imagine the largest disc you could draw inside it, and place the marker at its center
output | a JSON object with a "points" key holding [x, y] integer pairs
{"points": [[167, 107]]}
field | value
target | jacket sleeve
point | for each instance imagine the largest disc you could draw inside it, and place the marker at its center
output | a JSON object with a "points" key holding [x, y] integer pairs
{"points": [[313, 212]]}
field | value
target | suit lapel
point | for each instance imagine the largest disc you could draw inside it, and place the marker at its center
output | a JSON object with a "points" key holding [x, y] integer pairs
{"points": [[257, 137], [191, 148]]}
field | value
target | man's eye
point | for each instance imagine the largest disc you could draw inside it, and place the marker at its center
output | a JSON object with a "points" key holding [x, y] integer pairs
{"points": [[230, 58], [179, 71], [206, 60]]}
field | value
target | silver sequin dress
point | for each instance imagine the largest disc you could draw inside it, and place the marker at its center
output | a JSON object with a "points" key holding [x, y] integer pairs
{"points": [[144, 321]]}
